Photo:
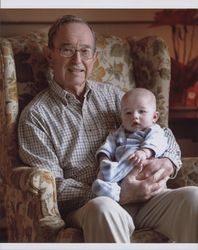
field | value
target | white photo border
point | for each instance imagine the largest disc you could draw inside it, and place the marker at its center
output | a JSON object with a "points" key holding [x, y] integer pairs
{"points": [[102, 4], [117, 4]]}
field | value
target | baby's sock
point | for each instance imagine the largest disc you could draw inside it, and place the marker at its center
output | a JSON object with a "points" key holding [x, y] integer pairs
{"points": [[109, 189], [107, 170]]}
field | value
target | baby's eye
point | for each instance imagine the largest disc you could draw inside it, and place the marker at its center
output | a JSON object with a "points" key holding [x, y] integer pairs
{"points": [[142, 111]]}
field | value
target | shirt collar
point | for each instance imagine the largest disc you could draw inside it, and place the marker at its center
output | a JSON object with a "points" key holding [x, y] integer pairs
{"points": [[65, 95]]}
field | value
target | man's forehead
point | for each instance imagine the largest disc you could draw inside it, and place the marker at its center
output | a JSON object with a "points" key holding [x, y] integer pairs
{"points": [[74, 32], [74, 28]]}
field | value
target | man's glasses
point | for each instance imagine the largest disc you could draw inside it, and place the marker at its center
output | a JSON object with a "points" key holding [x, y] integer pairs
{"points": [[86, 53]]}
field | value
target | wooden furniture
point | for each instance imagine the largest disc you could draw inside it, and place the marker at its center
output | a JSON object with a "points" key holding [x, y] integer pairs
{"points": [[184, 122]]}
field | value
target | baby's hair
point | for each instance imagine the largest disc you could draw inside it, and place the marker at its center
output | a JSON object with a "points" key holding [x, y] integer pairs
{"points": [[139, 92]]}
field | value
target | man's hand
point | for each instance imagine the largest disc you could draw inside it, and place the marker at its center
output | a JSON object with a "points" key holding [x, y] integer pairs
{"points": [[151, 166], [142, 184]]}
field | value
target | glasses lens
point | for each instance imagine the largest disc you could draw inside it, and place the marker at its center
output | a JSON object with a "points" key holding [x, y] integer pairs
{"points": [[67, 51], [85, 53]]}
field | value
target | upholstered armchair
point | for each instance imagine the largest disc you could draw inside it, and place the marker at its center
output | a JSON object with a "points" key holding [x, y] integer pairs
{"points": [[29, 194]]}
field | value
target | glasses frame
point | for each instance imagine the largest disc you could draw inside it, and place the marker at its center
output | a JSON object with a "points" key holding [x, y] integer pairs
{"points": [[76, 50]]}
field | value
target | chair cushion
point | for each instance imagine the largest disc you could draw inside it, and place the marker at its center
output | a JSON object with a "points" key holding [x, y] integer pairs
{"points": [[151, 62], [188, 174], [114, 64]]}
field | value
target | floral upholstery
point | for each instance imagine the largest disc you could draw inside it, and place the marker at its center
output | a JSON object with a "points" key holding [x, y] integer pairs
{"points": [[114, 62], [188, 175], [28, 194], [151, 62]]}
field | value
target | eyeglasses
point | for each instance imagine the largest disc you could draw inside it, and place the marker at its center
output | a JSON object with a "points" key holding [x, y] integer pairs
{"points": [[85, 52]]}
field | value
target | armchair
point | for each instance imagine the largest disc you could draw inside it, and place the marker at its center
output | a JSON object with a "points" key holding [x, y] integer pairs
{"points": [[29, 194]]}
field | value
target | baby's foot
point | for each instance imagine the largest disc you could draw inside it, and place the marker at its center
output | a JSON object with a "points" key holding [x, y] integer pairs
{"points": [[108, 170], [109, 189]]}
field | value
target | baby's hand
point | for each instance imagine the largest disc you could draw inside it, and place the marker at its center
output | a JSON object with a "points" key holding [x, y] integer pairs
{"points": [[137, 157]]}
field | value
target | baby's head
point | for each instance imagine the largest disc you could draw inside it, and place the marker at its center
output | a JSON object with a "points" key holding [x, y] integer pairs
{"points": [[138, 109]]}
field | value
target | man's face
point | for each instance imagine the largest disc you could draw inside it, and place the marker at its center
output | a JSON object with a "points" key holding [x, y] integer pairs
{"points": [[72, 72]]}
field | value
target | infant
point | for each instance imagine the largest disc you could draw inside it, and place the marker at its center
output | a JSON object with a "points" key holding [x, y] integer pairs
{"points": [[138, 138]]}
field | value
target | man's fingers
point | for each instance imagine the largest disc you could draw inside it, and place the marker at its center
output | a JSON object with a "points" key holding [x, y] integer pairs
{"points": [[158, 186], [136, 170], [157, 176], [163, 181], [131, 157]]}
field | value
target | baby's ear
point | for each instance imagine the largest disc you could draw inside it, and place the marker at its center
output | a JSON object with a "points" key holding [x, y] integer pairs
{"points": [[48, 56], [155, 116]]}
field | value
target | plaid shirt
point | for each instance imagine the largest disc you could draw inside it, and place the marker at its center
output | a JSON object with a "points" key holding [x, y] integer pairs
{"points": [[61, 134]]}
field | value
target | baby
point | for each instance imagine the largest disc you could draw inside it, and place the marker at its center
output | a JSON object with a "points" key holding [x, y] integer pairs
{"points": [[138, 138]]}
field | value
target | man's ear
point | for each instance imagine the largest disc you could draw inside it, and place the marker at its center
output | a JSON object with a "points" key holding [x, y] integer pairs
{"points": [[48, 56], [95, 56], [155, 116]]}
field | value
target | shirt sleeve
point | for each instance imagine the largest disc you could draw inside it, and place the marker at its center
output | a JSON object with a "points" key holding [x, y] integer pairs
{"points": [[36, 150], [155, 140], [172, 152], [108, 147]]}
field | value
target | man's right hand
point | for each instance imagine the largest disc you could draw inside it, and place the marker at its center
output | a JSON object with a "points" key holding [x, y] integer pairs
{"points": [[134, 190]]}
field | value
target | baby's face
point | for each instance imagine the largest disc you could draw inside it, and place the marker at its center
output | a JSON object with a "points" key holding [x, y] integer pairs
{"points": [[138, 113]]}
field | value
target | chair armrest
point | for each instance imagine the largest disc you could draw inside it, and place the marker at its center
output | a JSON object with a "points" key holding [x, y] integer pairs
{"points": [[22, 178], [38, 183], [187, 175]]}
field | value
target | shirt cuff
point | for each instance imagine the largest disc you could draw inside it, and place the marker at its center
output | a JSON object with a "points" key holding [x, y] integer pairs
{"points": [[176, 164]]}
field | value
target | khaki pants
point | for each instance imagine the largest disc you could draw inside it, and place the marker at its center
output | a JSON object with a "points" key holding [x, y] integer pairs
{"points": [[173, 213]]}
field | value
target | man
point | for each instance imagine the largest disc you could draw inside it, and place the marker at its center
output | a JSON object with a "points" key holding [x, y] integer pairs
{"points": [[62, 128]]}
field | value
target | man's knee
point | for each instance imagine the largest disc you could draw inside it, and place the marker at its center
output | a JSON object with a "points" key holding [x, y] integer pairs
{"points": [[187, 215], [190, 196], [105, 208], [185, 201], [104, 220], [102, 205]]}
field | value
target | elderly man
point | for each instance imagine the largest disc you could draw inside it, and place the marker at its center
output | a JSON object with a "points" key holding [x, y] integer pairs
{"points": [[61, 130]]}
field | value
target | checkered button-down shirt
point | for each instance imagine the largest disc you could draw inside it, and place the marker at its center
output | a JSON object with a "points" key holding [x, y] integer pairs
{"points": [[59, 133]]}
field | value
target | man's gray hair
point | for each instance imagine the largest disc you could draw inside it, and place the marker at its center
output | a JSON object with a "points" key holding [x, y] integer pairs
{"points": [[65, 20]]}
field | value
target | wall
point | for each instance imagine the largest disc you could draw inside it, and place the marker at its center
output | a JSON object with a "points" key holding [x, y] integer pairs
{"points": [[121, 22]]}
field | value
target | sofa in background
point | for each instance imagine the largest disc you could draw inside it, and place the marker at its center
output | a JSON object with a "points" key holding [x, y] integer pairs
{"points": [[29, 202]]}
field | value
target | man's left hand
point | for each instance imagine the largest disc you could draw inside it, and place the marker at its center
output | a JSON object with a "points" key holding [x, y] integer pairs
{"points": [[151, 166]]}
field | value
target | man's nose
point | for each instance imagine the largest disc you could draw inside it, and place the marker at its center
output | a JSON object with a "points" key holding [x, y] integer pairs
{"points": [[76, 56]]}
